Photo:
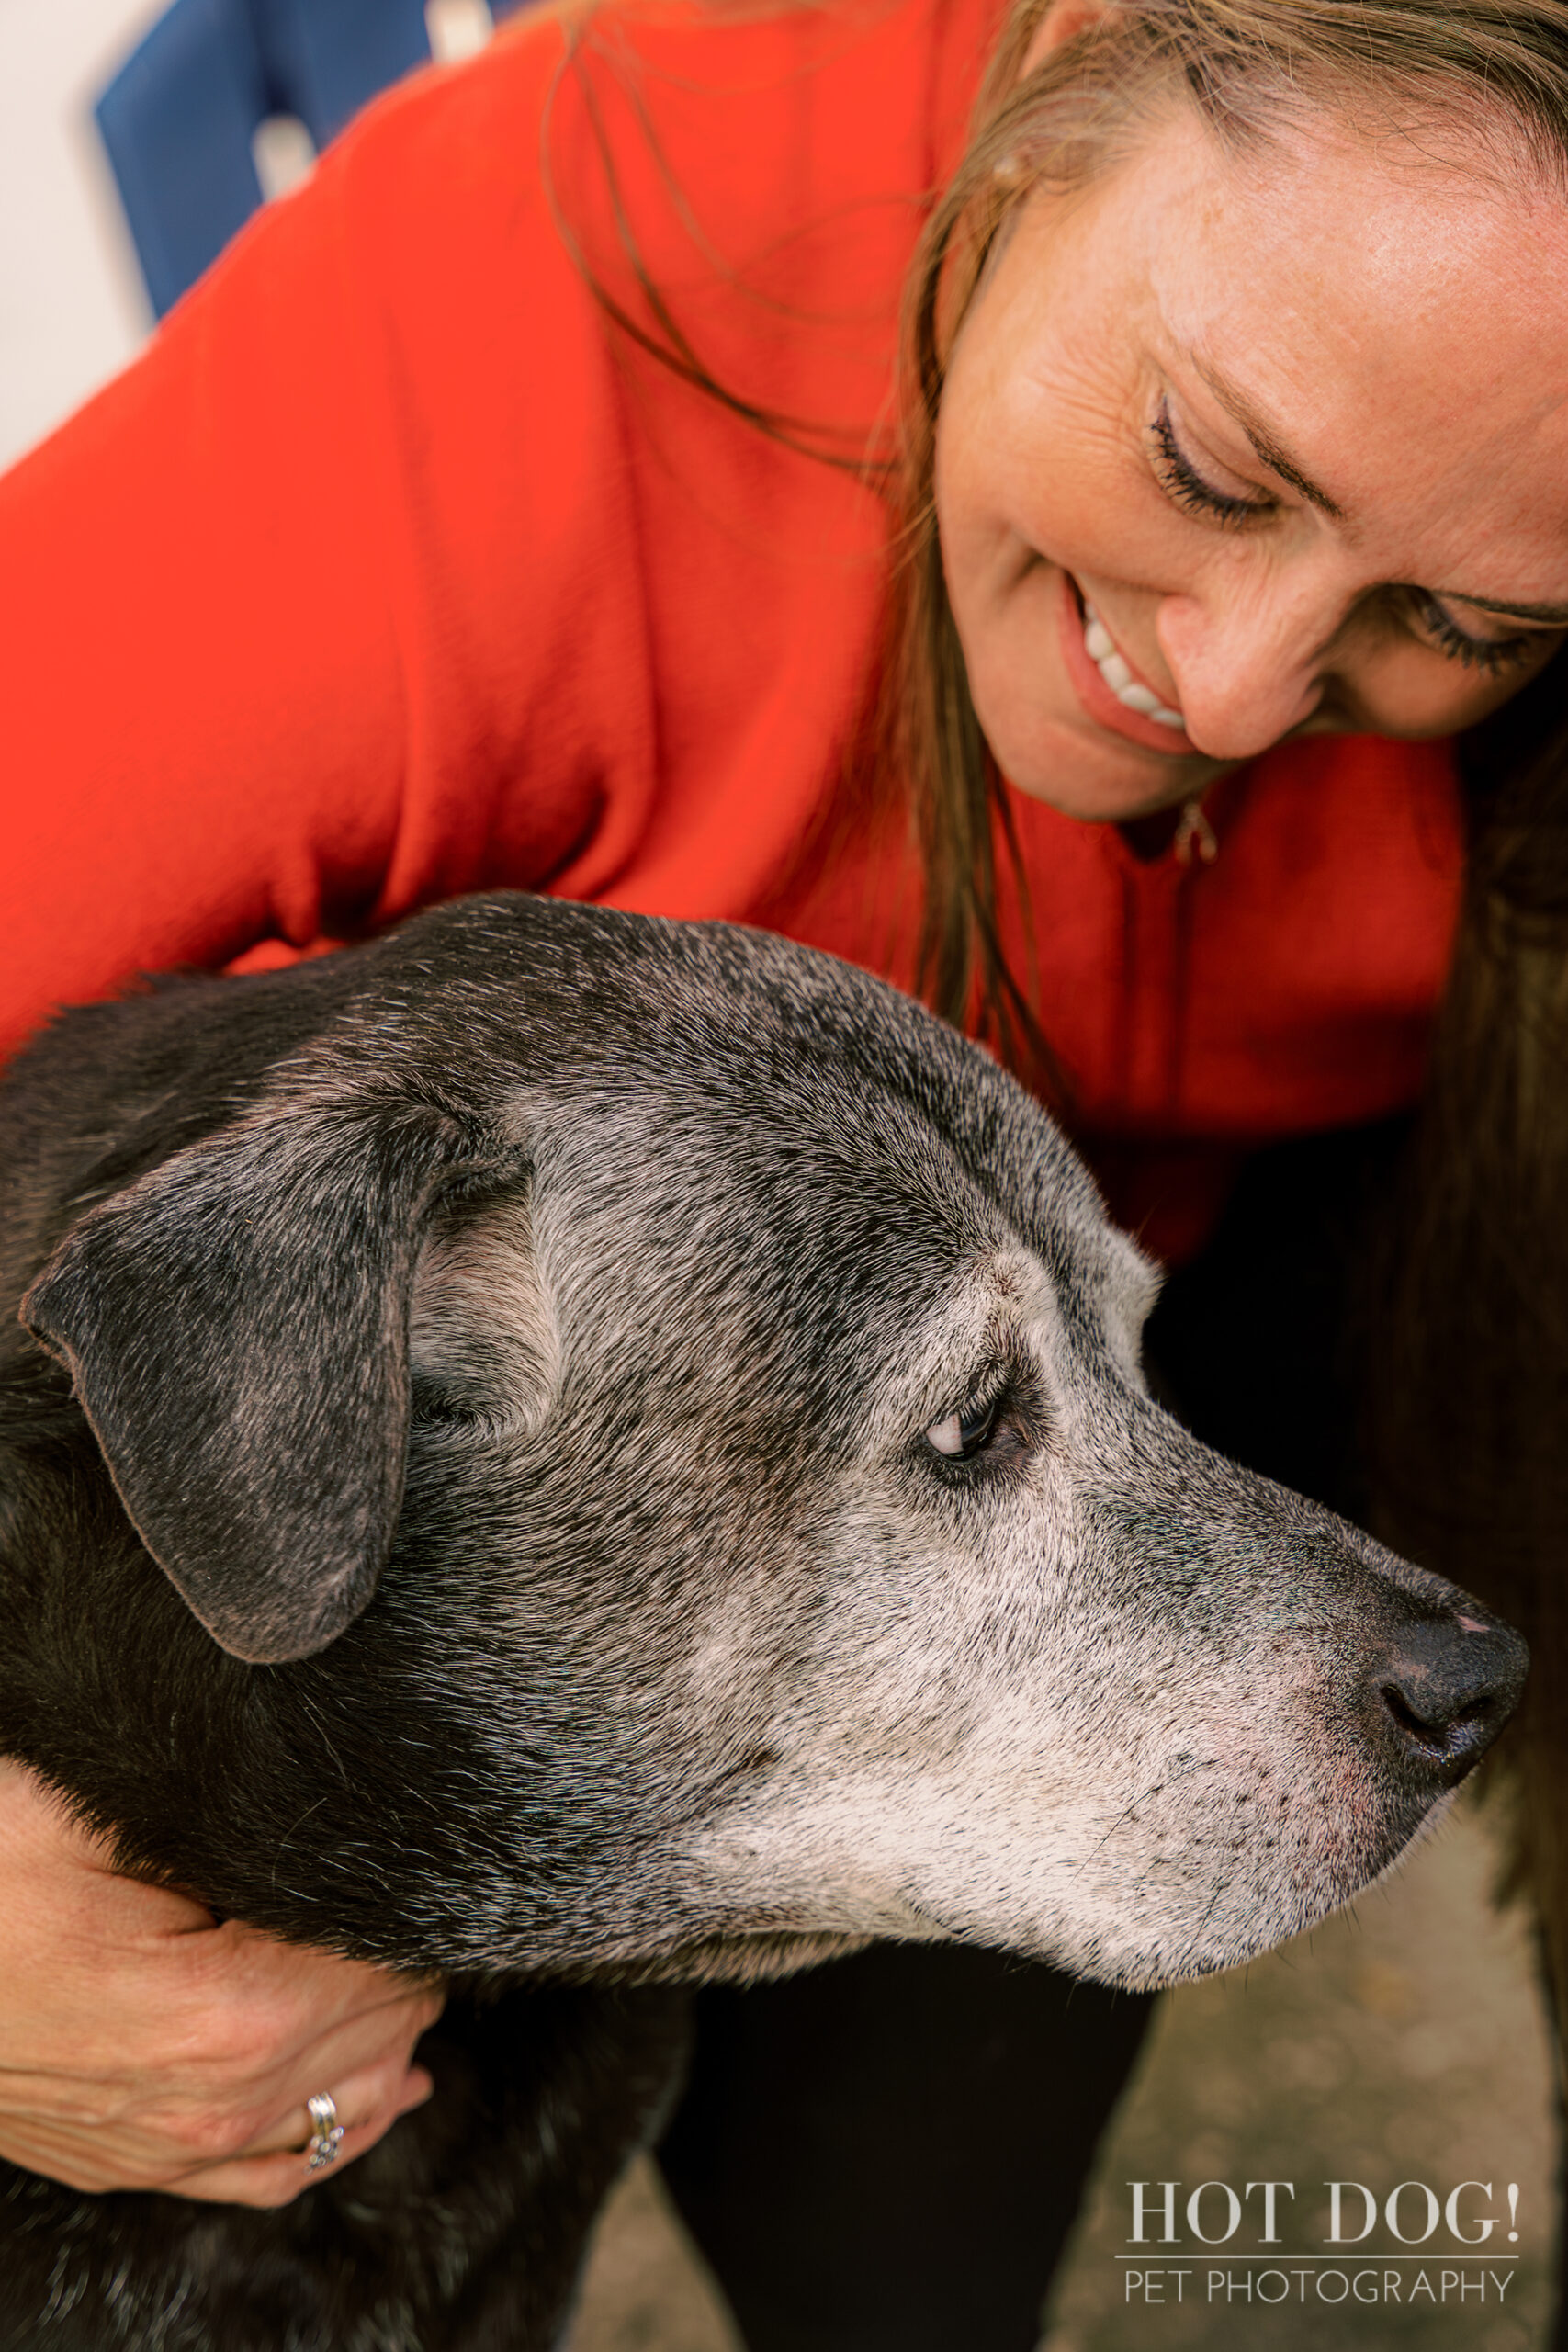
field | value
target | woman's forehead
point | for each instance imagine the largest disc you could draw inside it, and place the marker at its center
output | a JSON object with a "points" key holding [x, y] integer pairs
{"points": [[1393, 321]]}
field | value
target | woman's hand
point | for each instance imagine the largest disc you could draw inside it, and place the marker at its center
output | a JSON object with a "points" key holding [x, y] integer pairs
{"points": [[143, 2047]]}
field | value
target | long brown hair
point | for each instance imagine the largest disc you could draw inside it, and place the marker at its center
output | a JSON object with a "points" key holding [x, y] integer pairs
{"points": [[1468, 1419], [1468, 1408]]}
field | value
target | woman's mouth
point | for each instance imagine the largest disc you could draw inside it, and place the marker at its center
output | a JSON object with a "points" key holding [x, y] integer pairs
{"points": [[1107, 684]]}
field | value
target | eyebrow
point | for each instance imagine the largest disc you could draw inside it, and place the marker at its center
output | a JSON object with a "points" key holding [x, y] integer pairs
{"points": [[1279, 461], [1557, 613]]}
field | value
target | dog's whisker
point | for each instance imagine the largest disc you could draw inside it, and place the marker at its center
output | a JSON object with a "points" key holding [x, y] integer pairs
{"points": [[291, 1834], [1154, 1788]]}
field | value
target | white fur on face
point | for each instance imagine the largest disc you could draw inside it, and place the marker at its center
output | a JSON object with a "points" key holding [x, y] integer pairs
{"points": [[1017, 1730]]}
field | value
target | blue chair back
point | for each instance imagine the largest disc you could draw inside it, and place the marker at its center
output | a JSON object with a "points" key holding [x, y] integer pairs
{"points": [[179, 117]]}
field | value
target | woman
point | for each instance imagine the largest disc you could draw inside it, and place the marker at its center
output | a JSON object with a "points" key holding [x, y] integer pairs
{"points": [[526, 503]]}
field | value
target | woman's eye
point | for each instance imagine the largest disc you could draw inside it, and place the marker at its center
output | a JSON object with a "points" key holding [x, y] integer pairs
{"points": [[1187, 486], [967, 1432], [1495, 655]]}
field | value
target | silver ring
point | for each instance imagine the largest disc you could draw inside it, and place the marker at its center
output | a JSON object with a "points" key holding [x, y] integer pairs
{"points": [[326, 2131]]}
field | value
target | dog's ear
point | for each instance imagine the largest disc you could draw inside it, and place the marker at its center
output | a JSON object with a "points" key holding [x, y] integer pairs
{"points": [[236, 1326]]}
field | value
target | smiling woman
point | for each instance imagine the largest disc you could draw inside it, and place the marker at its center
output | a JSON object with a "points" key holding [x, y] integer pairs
{"points": [[1112, 442], [1225, 375], [518, 504]]}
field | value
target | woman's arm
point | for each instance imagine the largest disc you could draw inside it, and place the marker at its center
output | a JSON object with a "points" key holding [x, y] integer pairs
{"points": [[303, 621], [197, 664]]}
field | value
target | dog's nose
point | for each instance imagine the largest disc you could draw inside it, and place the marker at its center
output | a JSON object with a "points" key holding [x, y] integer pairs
{"points": [[1445, 1691]]}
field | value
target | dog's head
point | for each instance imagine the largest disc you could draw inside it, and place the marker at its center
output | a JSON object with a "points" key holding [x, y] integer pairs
{"points": [[731, 1382]]}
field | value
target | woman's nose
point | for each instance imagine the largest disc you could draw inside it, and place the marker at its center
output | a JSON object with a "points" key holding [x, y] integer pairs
{"points": [[1248, 667]]}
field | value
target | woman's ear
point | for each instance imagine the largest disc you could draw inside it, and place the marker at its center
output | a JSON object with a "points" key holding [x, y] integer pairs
{"points": [[1060, 24]]}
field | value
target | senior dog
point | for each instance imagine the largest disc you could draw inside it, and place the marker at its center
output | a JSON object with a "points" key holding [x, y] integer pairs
{"points": [[584, 1453]]}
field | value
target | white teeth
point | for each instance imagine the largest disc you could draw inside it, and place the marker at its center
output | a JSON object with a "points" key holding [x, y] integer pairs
{"points": [[1100, 647]]}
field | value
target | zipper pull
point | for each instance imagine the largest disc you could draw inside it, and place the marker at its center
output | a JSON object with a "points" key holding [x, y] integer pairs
{"points": [[1195, 837]]}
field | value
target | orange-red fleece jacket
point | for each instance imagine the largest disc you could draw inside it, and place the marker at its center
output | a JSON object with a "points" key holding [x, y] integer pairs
{"points": [[391, 571]]}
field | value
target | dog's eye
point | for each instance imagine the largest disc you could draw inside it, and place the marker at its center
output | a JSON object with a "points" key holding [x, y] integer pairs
{"points": [[966, 1432]]}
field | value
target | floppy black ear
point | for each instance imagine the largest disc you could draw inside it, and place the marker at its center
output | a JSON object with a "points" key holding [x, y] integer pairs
{"points": [[236, 1326]]}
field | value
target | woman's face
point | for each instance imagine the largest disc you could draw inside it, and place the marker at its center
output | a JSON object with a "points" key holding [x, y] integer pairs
{"points": [[1275, 447]]}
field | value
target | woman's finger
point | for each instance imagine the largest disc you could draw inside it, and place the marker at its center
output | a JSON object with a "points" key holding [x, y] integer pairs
{"points": [[290, 1992], [264, 2177], [218, 2116], [356, 2100], [279, 2178], [379, 2042], [231, 2061], [217, 2111]]}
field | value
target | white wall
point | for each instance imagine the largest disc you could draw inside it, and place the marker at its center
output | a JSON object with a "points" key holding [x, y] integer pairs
{"points": [[72, 306]]}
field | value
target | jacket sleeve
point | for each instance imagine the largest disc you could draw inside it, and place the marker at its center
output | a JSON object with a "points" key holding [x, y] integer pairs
{"points": [[300, 618]]}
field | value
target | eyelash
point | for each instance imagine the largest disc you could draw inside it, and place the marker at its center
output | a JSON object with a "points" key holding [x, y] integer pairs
{"points": [[1492, 655], [1183, 482], [1187, 486]]}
